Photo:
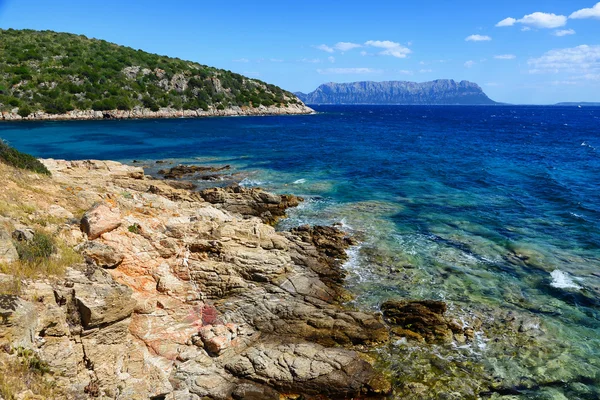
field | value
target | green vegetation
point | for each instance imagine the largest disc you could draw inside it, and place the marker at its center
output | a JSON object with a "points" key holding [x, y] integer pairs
{"points": [[36, 250], [20, 370], [60, 72], [15, 158]]}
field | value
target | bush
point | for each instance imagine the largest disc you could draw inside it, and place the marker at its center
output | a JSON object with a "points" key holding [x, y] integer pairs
{"points": [[20, 160], [24, 111], [36, 250]]}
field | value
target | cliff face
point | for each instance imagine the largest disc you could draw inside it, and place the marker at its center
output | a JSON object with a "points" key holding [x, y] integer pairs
{"points": [[441, 91]]}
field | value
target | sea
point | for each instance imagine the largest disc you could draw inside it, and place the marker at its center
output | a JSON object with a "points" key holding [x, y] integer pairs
{"points": [[494, 210]]}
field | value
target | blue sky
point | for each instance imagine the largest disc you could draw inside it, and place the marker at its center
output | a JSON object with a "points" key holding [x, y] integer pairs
{"points": [[518, 51]]}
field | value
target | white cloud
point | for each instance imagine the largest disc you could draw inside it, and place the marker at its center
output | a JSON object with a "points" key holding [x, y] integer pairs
{"points": [[331, 59], [505, 57], [537, 20], [277, 60], [311, 60], [363, 53], [582, 59], [507, 22], [241, 60], [425, 71], [348, 71], [469, 64], [525, 29], [390, 48], [593, 12], [544, 20], [478, 38], [564, 32], [324, 47], [345, 46], [405, 72]]}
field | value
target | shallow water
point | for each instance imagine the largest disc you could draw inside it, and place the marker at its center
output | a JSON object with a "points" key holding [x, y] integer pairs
{"points": [[495, 210]]}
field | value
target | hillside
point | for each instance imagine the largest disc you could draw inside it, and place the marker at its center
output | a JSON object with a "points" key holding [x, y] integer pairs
{"points": [[45, 74], [441, 91]]}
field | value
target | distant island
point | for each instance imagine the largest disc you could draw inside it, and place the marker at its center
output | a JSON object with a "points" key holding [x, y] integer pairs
{"points": [[438, 92], [50, 75]]}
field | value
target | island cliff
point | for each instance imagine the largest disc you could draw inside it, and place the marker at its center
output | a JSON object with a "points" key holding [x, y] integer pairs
{"points": [[438, 92]]}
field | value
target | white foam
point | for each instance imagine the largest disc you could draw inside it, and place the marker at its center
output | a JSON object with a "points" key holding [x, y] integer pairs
{"points": [[299, 181], [562, 280], [250, 182]]}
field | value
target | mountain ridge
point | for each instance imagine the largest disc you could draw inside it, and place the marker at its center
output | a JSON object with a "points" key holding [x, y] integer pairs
{"points": [[440, 91]]}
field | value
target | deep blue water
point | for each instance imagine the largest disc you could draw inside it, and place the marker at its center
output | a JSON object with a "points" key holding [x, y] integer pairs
{"points": [[479, 206]]}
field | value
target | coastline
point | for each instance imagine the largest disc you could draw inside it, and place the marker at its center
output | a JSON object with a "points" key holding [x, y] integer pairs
{"points": [[182, 294], [145, 113]]}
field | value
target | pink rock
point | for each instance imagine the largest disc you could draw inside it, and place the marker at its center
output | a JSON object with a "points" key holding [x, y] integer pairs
{"points": [[100, 219]]}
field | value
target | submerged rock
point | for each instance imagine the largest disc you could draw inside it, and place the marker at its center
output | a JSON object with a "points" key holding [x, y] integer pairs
{"points": [[180, 171], [421, 320]]}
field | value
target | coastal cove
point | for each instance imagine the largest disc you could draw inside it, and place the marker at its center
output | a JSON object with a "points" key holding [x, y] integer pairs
{"points": [[493, 210]]}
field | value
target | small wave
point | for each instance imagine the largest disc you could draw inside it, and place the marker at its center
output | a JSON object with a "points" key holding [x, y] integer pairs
{"points": [[299, 181], [562, 280], [250, 182]]}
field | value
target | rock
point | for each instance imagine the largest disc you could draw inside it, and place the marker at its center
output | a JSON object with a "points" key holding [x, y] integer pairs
{"points": [[23, 234], [100, 300], [8, 252], [254, 201], [101, 218], [101, 254], [18, 322], [57, 211], [420, 319], [306, 368], [180, 171], [253, 391]]}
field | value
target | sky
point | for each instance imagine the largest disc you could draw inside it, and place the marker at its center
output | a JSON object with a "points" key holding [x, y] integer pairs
{"points": [[521, 52]]}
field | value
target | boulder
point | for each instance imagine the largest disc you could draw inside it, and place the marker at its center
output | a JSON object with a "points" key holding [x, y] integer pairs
{"points": [[8, 252], [99, 219], [308, 368], [101, 254], [100, 300]]}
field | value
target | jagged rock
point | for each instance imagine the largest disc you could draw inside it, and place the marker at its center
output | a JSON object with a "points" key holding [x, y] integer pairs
{"points": [[8, 252], [100, 300], [100, 219], [254, 201], [18, 323], [101, 254], [180, 171], [421, 320], [307, 368]]}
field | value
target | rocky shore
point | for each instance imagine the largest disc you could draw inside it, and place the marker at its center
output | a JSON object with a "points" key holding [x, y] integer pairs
{"points": [[140, 113], [181, 294]]}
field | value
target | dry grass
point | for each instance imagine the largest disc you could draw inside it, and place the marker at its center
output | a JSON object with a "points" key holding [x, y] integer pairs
{"points": [[23, 371], [29, 267]]}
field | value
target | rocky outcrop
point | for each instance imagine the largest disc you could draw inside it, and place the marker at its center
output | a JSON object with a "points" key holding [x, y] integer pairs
{"points": [[188, 295], [251, 201], [141, 113], [423, 320], [441, 91], [180, 171]]}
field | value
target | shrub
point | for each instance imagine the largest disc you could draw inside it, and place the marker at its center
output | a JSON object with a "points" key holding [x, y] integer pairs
{"points": [[36, 250], [24, 111], [20, 160]]}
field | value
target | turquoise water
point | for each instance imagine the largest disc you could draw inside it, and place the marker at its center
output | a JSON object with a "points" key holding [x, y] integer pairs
{"points": [[495, 210]]}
